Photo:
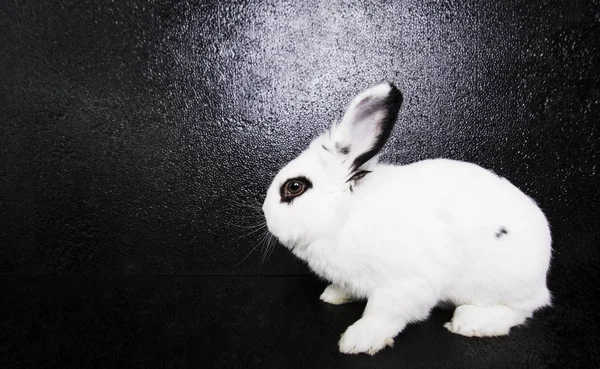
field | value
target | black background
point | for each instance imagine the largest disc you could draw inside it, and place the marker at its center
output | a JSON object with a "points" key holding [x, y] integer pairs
{"points": [[137, 140]]}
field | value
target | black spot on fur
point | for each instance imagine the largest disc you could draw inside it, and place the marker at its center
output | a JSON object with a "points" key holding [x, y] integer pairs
{"points": [[326, 149], [390, 105], [358, 175], [344, 150], [501, 232]]}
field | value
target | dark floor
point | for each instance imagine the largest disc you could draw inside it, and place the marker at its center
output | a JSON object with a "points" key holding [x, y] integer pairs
{"points": [[257, 322]]}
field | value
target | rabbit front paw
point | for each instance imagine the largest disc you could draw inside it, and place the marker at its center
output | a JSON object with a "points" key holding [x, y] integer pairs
{"points": [[367, 335]]}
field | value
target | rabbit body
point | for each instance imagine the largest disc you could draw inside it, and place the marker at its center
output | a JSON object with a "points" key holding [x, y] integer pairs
{"points": [[468, 235], [407, 238], [463, 233]]}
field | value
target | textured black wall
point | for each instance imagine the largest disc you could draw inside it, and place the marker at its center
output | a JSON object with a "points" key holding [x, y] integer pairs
{"points": [[136, 136]]}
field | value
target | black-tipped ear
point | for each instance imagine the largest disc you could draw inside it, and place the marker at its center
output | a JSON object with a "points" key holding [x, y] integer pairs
{"points": [[368, 123]]}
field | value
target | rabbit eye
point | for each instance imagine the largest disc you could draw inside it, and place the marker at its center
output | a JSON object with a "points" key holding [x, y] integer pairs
{"points": [[293, 188]]}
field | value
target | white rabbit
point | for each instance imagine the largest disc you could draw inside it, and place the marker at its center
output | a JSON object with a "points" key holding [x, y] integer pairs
{"points": [[408, 237]]}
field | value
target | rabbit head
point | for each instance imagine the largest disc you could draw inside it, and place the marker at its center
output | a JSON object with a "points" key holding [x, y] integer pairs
{"points": [[310, 197]]}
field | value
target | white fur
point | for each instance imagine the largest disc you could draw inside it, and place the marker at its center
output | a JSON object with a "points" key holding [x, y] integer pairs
{"points": [[409, 237], [335, 296]]}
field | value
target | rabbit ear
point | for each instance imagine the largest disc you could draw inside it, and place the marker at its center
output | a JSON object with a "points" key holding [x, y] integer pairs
{"points": [[367, 124]]}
